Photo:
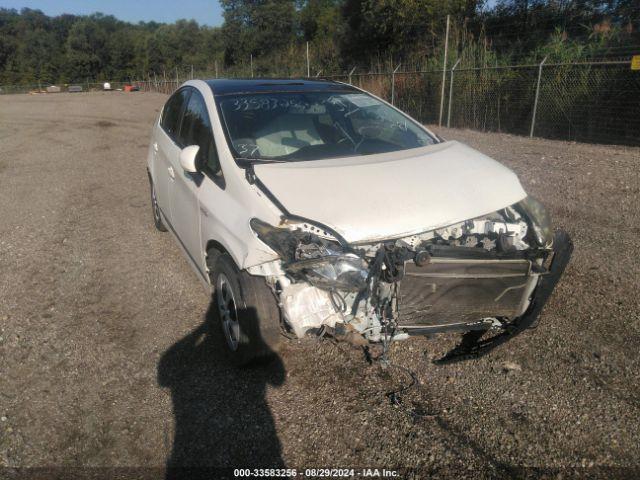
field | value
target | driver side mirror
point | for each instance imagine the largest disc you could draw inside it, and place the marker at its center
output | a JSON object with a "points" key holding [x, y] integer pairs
{"points": [[188, 158]]}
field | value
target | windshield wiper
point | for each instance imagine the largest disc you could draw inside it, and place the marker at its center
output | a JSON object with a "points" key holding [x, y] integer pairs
{"points": [[245, 162]]}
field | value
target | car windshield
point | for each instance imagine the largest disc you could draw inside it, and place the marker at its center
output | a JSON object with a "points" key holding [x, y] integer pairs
{"points": [[315, 125]]}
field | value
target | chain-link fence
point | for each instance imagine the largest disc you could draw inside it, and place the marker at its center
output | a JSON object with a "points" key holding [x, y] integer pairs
{"points": [[592, 102], [588, 102], [492, 99], [419, 94]]}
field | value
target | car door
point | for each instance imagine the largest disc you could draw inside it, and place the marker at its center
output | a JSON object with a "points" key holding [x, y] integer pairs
{"points": [[167, 151], [185, 188]]}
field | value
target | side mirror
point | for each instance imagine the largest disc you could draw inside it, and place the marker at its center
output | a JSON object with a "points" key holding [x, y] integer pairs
{"points": [[188, 158]]}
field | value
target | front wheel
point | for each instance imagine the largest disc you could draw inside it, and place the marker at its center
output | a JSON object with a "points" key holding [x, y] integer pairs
{"points": [[157, 219], [248, 313]]}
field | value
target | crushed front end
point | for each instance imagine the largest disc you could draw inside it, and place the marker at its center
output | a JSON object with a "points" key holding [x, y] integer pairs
{"points": [[490, 273]]}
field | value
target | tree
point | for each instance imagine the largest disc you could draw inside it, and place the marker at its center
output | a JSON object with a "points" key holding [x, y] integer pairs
{"points": [[397, 27], [35, 48], [86, 50], [257, 27]]}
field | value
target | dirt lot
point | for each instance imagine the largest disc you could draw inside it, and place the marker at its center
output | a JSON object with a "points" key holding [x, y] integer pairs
{"points": [[107, 357]]}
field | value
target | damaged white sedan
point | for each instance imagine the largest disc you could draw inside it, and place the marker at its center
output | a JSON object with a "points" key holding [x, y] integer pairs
{"points": [[314, 208]]}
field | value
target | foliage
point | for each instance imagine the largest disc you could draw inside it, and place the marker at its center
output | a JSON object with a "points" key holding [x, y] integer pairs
{"points": [[35, 48], [268, 37]]}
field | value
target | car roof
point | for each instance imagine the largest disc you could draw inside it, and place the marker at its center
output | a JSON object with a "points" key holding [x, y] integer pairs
{"points": [[223, 86]]}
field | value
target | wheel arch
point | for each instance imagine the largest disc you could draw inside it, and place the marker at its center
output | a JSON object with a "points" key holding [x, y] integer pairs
{"points": [[213, 250]]}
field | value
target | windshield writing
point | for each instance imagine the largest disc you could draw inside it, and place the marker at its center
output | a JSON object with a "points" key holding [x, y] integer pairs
{"points": [[315, 125]]}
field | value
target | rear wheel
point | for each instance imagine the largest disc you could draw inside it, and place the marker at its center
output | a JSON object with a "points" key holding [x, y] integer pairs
{"points": [[248, 313], [157, 219]]}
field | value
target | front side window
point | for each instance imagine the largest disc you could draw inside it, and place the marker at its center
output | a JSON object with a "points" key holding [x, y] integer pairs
{"points": [[171, 114], [315, 125], [196, 130]]}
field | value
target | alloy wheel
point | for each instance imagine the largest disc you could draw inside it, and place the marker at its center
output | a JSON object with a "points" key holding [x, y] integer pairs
{"points": [[228, 311], [154, 203]]}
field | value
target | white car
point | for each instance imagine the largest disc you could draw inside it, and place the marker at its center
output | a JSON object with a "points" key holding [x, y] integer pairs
{"points": [[315, 208]]}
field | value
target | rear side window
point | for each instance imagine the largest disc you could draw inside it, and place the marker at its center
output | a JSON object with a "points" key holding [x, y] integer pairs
{"points": [[171, 115], [196, 130]]}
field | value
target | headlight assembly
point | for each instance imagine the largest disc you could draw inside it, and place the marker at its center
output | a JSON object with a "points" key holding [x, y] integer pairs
{"points": [[282, 240], [322, 262], [342, 272], [539, 219]]}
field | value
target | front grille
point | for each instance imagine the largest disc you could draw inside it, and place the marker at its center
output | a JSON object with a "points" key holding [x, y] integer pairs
{"points": [[449, 290]]}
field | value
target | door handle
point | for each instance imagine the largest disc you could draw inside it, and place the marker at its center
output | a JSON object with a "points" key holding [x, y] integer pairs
{"points": [[172, 174], [155, 147]]}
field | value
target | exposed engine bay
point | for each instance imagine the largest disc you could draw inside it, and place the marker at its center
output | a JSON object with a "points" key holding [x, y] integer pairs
{"points": [[472, 275]]}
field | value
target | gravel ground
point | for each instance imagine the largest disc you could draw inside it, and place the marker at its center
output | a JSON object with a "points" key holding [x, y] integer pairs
{"points": [[107, 357]]}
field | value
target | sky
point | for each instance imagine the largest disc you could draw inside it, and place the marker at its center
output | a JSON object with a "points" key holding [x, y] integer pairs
{"points": [[207, 12]]}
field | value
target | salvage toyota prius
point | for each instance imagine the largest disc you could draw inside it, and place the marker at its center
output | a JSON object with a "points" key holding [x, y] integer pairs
{"points": [[315, 208]]}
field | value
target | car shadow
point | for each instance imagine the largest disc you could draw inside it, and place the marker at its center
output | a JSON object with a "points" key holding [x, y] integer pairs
{"points": [[221, 415]]}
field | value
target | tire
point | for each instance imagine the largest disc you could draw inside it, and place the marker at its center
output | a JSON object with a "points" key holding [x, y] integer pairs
{"points": [[248, 313], [155, 209]]}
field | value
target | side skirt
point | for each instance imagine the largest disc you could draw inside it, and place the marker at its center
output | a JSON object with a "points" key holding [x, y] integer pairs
{"points": [[192, 263]]}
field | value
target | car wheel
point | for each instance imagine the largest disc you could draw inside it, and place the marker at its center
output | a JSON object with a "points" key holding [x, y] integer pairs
{"points": [[157, 219], [248, 312]]}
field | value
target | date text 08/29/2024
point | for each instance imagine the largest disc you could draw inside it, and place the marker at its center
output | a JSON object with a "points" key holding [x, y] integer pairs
{"points": [[316, 473]]}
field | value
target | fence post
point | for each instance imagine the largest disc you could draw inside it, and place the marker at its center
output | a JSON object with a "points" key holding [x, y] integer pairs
{"points": [[535, 102], [444, 72], [451, 93], [393, 85], [308, 64], [251, 63], [350, 74]]}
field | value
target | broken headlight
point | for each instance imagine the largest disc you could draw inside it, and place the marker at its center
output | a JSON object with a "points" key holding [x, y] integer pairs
{"points": [[539, 220], [342, 272], [281, 240], [321, 261]]}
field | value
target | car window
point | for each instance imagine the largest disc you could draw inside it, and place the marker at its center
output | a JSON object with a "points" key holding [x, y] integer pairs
{"points": [[291, 126], [171, 114], [196, 130]]}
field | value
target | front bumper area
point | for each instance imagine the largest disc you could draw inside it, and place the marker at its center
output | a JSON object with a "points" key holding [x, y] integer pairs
{"points": [[474, 346]]}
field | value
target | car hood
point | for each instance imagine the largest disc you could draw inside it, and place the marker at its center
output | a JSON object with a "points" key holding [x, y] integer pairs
{"points": [[393, 195]]}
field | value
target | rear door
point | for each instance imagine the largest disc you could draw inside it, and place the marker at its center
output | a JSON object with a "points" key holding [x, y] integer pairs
{"points": [[167, 151], [185, 189]]}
